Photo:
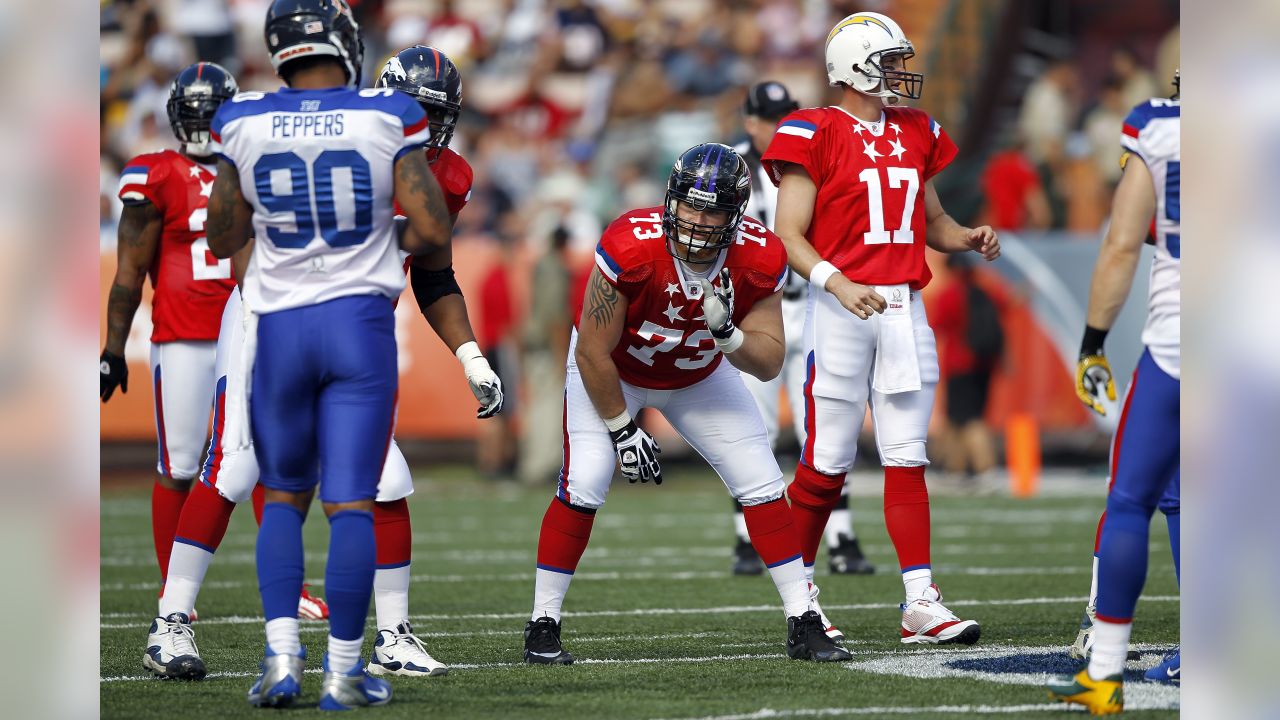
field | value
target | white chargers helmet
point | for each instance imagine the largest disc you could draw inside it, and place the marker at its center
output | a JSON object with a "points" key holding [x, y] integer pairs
{"points": [[856, 50]]}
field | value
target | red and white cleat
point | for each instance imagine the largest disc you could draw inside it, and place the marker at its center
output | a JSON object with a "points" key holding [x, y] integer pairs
{"points": [[312, 608], [929, 622]]}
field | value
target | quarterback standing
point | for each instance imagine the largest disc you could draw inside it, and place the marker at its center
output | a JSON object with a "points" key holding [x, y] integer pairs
{"points": [[311, 171], [166, 196], [676, 291], [856, 208], [1145, 467]]}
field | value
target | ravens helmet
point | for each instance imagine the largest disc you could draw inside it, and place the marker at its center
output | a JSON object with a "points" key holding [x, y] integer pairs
{"points": [[430, 77], [194, 97], [709, 176], [309, 28]]}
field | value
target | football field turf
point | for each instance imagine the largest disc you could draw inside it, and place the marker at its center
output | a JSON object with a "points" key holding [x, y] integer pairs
{"points": [[659, 626]]}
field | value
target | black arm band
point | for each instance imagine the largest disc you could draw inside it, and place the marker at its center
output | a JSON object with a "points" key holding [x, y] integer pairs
{"points": [[1092, 342], [431, 285]]}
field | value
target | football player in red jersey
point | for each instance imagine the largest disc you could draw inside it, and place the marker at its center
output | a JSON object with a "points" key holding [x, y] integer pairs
{"points": [[161, 235], [677, 290], [856, 208], [231, 472]]}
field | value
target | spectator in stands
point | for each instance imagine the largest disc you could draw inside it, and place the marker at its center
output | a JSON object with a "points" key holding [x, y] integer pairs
{"points": [[1136, 81], [1102, 126], [1048, 113], [1015, 199], [966, 319], [545, 347], [495, 444], [581, 37]]}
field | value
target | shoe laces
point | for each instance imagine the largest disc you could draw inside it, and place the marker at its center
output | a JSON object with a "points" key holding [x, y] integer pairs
{"points": [[182, 638], [404, 634], [543, 633]]}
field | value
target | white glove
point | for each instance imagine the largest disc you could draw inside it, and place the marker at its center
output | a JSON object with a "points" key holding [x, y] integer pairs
{"points": [[484, 382], [637, 453], [717, 311]]}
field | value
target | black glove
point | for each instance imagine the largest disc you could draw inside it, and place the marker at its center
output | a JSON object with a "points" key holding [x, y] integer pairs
{"points": [[113, 371], [637, 454]]}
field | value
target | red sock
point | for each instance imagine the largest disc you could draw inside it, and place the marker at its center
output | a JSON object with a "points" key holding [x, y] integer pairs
{"points": [[259, 499], [166, 506], [392, 533], [906, 514], [813, 495], [1097, 539], [773, 534], [564, 535], [204, 517]]}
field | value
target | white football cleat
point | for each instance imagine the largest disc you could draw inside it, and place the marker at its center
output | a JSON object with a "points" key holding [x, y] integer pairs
{"points": [[400, 652], [831, 630], [929, 622], [171, 649]]}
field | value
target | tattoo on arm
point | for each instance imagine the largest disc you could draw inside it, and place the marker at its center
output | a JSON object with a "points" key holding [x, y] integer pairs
{"points": [[122, 304], [601, 301], [416, 175], [138, 235]]}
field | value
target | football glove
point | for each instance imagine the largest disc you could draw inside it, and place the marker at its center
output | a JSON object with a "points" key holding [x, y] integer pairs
{"points": [[113, 371], [484, 382], [637, 454], [717, 311], [1095, 385]]}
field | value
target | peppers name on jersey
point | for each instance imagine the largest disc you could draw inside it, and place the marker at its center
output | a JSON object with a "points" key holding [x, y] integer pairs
{"points": [[191, 285], [868, 218], [665, 343]]}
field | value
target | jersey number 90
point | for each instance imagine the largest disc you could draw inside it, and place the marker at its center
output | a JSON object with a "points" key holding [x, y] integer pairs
{"points": [[337, 184]]}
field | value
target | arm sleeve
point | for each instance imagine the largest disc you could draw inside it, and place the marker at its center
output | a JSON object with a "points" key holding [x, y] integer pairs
{"points": [[941, 152], [798, 140], [413, 122], [141, 180], [1131, 131]]}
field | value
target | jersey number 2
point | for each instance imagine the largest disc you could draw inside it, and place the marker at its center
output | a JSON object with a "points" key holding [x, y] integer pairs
{"points": [[337, 184], [201, 268]]}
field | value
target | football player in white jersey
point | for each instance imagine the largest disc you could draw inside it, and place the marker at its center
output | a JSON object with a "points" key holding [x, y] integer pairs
{"points": [[767, 103], [310, 172], [1144, 453]]}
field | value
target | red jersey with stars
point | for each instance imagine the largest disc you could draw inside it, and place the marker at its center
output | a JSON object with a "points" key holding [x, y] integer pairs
{"points": [[868, 218], [665, 343], [191, 285]]}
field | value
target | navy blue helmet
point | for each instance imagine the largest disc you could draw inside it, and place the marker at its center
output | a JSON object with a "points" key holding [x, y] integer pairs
{"points": [[709, 176], [307, 28], [194, 96], [430, 77]]}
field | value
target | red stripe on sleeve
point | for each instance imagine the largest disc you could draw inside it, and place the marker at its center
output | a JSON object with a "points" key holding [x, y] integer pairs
{"points": [[416, 127], [1130, 130]]}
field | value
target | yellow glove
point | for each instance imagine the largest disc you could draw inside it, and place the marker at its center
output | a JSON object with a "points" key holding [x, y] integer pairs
{"points": [[1094, 384]]}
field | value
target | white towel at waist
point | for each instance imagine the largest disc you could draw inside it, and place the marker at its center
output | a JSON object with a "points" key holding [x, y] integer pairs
{"points": [[897, 367]]}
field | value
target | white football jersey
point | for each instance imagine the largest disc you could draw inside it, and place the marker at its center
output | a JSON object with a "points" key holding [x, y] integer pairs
{"points": [[1152, 133], [318, 168]]}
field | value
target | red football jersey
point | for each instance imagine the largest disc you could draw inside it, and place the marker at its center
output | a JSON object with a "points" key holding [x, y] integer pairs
{"points": [[868, 219], [191, 285], [454, 175], [665, 344]]}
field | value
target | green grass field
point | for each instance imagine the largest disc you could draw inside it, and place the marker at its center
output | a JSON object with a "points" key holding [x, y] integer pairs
{"points": [[659, 627]]}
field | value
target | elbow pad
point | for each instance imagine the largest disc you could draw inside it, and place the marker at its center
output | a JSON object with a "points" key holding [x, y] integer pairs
{"points": [[431, 285]]}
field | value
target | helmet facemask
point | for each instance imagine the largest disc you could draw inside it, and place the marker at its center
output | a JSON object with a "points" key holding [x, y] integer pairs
{"points": [[910, 84], [685, 238], [442, 118], [191, 108]]}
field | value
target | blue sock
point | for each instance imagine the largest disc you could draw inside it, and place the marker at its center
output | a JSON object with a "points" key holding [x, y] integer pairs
{"points": [[348, 576], [1122, 562], [280, 560], [1175, 541]]}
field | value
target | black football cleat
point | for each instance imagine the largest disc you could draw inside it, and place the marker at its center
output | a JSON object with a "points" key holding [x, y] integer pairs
{"points": [[745, 559], [846, 558], [542, 643], [807, 640]]}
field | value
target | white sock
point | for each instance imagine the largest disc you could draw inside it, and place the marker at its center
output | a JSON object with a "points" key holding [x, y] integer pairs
{"points": [[1093, 584], [740, 526], [839, 523], [549, 588], [793, 586], [187, 566], [916, 582], [1110, 648], [282, 636], [344, 654], [391, 596], [808, 573]]}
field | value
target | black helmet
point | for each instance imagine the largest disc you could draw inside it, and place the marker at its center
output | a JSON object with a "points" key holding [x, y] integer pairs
{"points": [[308, 28], [709, 176], [430, 77], [194, 97]]}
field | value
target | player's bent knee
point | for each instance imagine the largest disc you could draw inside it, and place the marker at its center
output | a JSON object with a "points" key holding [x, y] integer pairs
{"points": [[177, 483]]}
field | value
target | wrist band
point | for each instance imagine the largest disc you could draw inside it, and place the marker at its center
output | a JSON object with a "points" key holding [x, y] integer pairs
{"points": [[731, 343], [821, 273], [468, 351], [618, 422]]}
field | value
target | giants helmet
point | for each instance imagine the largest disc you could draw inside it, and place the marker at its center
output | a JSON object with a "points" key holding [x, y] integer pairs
{"points": [[856, 49], [307, 28], [194, 96], [709, 176], [431, 78]]}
